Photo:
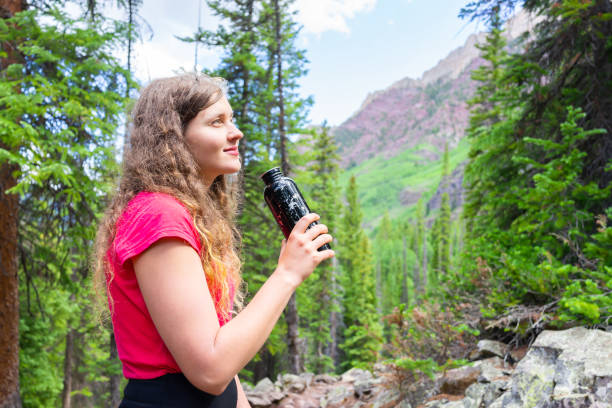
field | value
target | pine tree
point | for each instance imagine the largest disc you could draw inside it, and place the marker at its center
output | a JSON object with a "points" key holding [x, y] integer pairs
{"points": [[262, 65], [420, 248], [538, 177], [9, 219], [318, 296], [62, 104], [363, 331], [445, 219]]}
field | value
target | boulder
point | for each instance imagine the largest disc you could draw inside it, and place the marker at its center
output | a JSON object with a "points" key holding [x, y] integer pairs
{"points": [[456, 381], [569, 368], [264, 394], [356, 374], [488, 348], [364, 388], [324, 379], [337, 395], [493, 369], [293, 383]]}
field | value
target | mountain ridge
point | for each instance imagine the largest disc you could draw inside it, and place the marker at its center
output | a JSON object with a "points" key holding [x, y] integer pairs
{"points": [[431, 109]]}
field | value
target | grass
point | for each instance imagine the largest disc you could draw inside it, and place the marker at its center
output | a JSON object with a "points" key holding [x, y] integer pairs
{"points": [[381, 180]]}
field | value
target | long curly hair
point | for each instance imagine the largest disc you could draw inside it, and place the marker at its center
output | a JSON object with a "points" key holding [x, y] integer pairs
{"points": [[157, 159]]}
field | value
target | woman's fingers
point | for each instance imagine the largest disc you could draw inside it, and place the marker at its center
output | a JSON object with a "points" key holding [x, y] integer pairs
{"points": [[323, 255], [322, 240], [316, 231], [305, 221]]}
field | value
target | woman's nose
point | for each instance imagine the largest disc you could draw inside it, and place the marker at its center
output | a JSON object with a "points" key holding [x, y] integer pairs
{"points": [[234, 133]]}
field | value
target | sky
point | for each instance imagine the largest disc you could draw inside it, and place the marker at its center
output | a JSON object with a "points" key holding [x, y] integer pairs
{"points": [[354, 47]]}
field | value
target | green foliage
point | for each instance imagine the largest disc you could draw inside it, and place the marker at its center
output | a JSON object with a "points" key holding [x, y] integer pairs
{"points": [[380, 180], [426, 339], [363, 334], [538, 180], [318, 296], [262, 66], [61, 105]]}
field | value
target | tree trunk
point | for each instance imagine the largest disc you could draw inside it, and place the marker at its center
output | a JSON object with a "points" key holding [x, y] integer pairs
{"points": [[424, 289], [246, 78], [114, 379], [9, 278], [9, 291], [291, 313], [378, 289], [68, 363], [333, 316], [404, 296]]}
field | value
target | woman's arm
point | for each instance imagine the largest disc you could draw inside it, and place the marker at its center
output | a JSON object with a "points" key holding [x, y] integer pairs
{"points": [[243, 402], [173, 285]]}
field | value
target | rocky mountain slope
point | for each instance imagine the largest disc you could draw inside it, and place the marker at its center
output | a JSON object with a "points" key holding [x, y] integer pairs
{"points": [[400, 131]]}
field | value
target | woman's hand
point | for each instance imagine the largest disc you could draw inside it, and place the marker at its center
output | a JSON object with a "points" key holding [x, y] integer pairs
{"points": [[299, 254]]}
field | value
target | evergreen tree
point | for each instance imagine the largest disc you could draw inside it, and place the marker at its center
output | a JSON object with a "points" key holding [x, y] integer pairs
{"points": [[262, 65], [62, 103], [363, 331], [318, 296], [538, 177], [434, 264], [420, 248], [9, 219], [445, 219]]}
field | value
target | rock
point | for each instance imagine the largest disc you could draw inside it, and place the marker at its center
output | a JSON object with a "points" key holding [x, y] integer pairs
{"points": [[569, 368], [493, 369], [355, 374], [456, 381], [483, 395], [336, 395], [488, 348], [324, 379], [307, 378], [264, 394], [404, 404], [409, 196], [292, 383], [364, 388], [388, 398], [453, 185], [450, 401], [380, 368]]}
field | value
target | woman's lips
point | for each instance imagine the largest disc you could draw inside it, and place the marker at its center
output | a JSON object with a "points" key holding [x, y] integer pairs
{"points": [[232, 150]]}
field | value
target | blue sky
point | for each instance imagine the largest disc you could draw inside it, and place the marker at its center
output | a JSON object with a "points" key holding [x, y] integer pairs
{"points": [[354, 46]]}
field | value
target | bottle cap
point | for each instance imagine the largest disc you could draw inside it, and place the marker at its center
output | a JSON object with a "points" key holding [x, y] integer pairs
{"points": [[271, 175]]}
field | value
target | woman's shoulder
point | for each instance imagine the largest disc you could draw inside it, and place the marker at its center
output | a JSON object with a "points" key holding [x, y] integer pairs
{"points": [[150, 216], [153, 206], [148, 201]]}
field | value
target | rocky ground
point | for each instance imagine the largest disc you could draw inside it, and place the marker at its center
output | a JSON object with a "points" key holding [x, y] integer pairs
{"points": [[569, 368]]}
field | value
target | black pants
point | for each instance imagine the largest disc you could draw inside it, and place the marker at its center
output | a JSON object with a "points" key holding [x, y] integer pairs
{"points": [[174, 390]]}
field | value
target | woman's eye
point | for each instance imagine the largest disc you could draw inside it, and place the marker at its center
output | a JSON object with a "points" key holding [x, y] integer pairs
{"points": [[217, 122]]}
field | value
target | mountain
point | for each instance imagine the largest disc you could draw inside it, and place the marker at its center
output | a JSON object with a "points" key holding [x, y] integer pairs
{"points": [[394, 142], [429, 110]]}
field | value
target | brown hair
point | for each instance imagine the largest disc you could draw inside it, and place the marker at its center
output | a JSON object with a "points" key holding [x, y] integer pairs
{"points": [[157, 159]]}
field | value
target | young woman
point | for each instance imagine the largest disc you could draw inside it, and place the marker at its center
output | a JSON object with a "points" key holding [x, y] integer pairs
{"points": [[166, 253]]}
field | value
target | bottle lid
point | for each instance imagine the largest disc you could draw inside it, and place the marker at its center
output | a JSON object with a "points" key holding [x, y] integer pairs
{"points": [[271, 175]]}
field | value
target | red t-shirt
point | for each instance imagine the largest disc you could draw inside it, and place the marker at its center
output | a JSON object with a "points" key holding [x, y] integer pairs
{"points": [[147, 218]]}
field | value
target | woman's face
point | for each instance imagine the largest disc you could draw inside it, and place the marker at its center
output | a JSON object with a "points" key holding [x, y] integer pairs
{"points": [[213, 139]]}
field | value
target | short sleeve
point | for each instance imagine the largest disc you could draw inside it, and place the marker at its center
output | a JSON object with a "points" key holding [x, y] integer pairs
{"points": [[149, 217]]}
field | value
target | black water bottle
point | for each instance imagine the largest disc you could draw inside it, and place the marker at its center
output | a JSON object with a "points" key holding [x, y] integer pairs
{"points": [[285, 201]]}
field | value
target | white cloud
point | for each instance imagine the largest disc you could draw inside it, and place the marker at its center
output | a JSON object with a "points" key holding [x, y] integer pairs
{"points": [[319, 16]]}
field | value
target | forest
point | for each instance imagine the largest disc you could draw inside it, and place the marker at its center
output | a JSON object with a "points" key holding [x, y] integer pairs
{"points": [[530, 249]]}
